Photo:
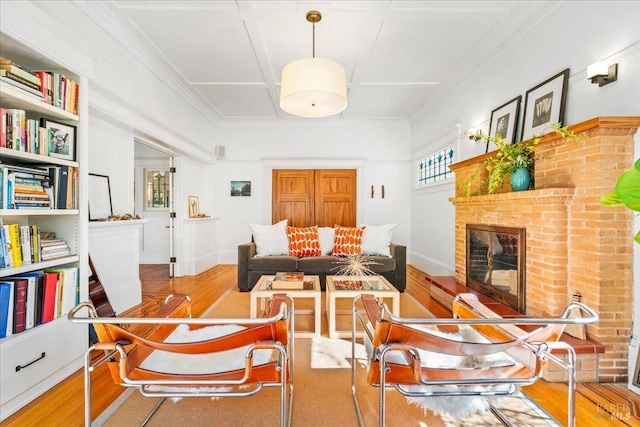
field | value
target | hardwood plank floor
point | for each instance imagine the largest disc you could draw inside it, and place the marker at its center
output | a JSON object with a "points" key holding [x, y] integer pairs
{"points": [[597, 405]]}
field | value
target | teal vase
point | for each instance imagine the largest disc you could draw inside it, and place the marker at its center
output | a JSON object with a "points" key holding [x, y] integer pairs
{"points": [[520, 179]]}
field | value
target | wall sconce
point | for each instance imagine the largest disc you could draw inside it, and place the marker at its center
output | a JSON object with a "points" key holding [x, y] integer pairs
{"points": [[372, 192], [382, 192], [602, 74]]}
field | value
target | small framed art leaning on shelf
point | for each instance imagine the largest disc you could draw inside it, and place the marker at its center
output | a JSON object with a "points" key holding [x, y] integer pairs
{"points": [[194, 207], [61, 138]]}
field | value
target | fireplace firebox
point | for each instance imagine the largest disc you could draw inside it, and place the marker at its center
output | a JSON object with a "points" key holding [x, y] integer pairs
{"points": [[496, 263]]}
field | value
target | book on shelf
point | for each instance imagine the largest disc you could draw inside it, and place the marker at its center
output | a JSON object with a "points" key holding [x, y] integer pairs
{"points": [[19, 305], [30, 92], [19, 70], [67, 292], [5, 296], [3, 127], [14, 241], [288, 280], [6, 246], [6, 307], [33, 278], [49, 297]]}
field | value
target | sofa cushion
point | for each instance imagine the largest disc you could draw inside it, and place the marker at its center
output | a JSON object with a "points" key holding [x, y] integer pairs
{"points": [[347, 241], [303, 241], [326, 235], [270, 239], [274, 263], [376, 239]]}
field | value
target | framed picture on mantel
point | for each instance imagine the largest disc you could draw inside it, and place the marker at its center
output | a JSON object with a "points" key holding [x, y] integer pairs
{"points": [[504, 122], [544, 105]]}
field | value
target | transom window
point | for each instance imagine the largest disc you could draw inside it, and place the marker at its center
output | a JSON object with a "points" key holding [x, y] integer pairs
{"points": [[435, 167]]}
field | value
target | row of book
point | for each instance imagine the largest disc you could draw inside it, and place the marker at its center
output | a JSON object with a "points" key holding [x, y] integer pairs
{"points": [[34, 298], [39, 187], [26, 244], [36, 135], [50, 87]]}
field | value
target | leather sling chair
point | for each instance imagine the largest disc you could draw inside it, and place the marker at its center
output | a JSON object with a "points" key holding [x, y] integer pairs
{"points": [[254, 352], [506, 353]]}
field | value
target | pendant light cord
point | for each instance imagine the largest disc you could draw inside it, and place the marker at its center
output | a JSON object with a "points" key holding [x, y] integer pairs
{"points": [[314, 40]]}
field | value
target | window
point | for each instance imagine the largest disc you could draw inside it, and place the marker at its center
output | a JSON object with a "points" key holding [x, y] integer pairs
{"points": [[157, 190], [435, 168]]}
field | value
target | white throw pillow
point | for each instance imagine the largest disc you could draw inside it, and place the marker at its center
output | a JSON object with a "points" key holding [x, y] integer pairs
{"points": [[270, 239], [376, 239], [326, 235]]}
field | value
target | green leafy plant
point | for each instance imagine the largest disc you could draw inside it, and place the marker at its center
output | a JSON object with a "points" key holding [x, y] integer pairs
{"points": [[510, 157], [627, 192]]}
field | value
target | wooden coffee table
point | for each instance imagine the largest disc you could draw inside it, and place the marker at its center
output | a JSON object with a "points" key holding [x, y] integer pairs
{"points": [[262, 291], [378, 286]]}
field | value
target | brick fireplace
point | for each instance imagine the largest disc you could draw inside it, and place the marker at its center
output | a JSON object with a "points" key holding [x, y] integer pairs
{"points": [[573, 244]]}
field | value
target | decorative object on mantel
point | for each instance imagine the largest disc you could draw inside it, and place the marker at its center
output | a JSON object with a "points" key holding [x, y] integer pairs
{"points": [[123, 217], [511, 159], [544, 104], [627, 192]]}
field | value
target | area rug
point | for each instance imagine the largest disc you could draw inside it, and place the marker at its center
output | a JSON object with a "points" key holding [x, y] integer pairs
{"points": [[322, 394], [332, 353]]}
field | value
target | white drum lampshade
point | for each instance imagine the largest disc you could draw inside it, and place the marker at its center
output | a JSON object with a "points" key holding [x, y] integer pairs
{"points": [[313, 87]]}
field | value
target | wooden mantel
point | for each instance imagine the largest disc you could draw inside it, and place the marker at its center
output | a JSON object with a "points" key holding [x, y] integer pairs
{"points": [[573, 243]]}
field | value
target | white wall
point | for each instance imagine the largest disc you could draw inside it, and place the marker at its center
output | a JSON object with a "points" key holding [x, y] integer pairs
{"points": [[572, 35], [379, 152]]}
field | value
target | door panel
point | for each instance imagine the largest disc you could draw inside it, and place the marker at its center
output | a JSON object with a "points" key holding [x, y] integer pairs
{"points": [[323, 197], [292, 197], [335, 197]]}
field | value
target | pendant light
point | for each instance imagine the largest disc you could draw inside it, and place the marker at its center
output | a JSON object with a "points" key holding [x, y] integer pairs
{"points": [[313, 87]]}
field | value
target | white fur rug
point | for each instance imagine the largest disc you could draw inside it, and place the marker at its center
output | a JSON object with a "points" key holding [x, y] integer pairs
{"points": [[330, 353], [168, 362], [456, 406]]}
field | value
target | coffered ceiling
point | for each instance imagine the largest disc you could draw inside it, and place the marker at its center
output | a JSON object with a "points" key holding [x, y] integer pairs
{"points": [[400, 57]]}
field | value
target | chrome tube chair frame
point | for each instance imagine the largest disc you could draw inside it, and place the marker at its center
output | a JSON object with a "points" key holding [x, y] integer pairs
{"points": [[124, 351], [529, 346]]}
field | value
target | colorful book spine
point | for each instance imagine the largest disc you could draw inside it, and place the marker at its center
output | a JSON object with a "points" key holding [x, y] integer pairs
{"points": [[20, 306], [14, 240], [5, 295]]}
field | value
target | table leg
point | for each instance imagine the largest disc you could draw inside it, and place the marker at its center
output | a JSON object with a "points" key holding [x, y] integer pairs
{"points": [[253, 307]]}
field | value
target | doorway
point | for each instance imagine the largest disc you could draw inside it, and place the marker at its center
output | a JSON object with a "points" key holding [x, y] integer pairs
{"points": [[153, 195], [323, 197]]}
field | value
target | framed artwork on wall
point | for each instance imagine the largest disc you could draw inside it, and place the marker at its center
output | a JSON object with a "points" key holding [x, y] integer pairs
{"points": [[61, 139], [194, 206], [240, 188], [99, 197], [544, 105], [504, 122]]}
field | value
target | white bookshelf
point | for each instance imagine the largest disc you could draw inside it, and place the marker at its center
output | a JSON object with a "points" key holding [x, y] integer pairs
{"points": [[33, 361]]}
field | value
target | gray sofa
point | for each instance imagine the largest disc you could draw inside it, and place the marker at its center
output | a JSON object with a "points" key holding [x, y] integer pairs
{"points": [[250, 267]]}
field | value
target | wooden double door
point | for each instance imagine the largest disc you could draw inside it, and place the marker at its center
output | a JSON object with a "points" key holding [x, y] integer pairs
{"points": [[323, 197]]}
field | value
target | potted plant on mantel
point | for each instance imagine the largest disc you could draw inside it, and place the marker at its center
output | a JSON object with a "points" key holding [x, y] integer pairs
{"points": [[515, 159]]}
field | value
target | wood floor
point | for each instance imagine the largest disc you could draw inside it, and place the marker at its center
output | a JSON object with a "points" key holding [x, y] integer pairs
{"points": [[599, 405]]}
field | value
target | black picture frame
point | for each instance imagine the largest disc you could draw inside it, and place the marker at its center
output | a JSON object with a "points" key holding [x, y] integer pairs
{"points": [[545, 105], [61, 139], [240, 189], [99, 197], [504, 121]]}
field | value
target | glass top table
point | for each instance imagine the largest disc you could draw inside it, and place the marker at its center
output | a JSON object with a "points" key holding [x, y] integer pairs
{"points": [[348, 287], [262, 291]]}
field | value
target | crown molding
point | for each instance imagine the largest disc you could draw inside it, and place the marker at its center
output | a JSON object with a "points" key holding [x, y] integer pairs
{"points": [[102, 14]]}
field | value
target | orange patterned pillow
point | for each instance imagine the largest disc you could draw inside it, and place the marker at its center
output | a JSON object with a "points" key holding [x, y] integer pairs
{"points": [[303, 241], [347, 240]]}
